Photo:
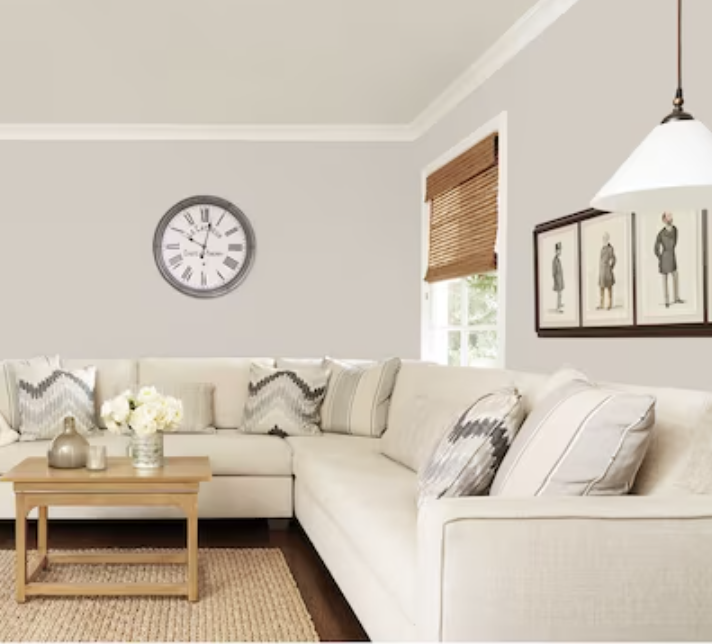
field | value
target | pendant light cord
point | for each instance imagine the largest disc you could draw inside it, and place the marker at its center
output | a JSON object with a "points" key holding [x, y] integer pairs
{"points": [[679, 100], [678, 113]]}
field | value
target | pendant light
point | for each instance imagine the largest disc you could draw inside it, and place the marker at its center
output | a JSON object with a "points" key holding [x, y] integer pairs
{"points": [[671, 169]]}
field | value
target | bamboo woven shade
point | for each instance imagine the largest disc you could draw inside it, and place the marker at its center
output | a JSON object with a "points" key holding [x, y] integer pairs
{"points": [[470, 163], [463, 217]]}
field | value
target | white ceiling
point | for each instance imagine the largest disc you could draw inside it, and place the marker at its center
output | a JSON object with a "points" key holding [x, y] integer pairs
{"points": [[238, 62]]}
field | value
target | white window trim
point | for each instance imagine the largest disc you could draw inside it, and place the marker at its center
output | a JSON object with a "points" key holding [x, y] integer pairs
{"points": [[497, 124]]}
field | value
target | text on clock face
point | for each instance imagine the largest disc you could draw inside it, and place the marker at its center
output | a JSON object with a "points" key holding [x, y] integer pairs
{"points": [[204, 246]]}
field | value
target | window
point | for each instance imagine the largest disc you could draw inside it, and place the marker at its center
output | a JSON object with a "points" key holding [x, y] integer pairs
{"points": [[461, 290], [462, 329]]}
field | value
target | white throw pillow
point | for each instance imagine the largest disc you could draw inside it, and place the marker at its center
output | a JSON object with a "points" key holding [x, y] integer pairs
{"points": [[580, 440], [285, 401], [358, 397], [466, 459], [429, 419]]}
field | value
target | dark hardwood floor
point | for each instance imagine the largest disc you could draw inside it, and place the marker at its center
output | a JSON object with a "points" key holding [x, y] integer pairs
{"points": [[333, 618]]}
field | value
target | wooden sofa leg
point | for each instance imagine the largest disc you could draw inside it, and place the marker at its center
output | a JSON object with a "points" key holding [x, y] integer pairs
{"points": [[278, 524]]}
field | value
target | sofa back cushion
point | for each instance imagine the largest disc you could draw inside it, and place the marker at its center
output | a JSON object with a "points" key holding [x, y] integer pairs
{"points": [[231, 377]]}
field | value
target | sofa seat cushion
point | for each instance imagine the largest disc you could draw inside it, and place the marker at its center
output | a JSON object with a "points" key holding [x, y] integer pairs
{"points": [[231, 453], [371, 499]]}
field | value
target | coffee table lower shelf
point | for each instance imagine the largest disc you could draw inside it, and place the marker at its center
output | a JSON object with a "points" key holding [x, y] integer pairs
{"points": [[55, 589]]}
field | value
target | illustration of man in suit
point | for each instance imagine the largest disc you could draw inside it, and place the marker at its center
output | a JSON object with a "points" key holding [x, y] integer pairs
{"points": [[606, 277], [558, 274], [665, 244]]}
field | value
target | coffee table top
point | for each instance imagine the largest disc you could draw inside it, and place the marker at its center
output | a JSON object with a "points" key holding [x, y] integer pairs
{"points": [[176, 469]]}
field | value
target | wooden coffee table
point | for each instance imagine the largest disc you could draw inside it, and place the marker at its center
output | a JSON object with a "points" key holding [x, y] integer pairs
{"points": [[37, 485]]}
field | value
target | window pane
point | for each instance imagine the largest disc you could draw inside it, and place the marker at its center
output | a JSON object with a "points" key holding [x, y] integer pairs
{"points": [[482, 299], [454, 303], [454, 345], [482, 346]]}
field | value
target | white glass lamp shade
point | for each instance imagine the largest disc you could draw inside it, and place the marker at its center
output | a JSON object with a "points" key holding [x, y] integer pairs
{"points": [[670, 170]]}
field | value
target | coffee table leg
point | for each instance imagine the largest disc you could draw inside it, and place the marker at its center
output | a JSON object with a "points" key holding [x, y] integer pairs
{"points": [[20, 546], [42, 534], [192, 514]]}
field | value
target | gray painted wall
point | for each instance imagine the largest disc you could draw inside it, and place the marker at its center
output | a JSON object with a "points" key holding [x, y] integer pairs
{"points": [[338, 225], [337, 258], [579, 99]]}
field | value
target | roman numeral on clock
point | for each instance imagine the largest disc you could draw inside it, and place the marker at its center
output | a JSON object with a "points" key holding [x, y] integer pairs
{"points": [[203, 279], [232, 231], [189, 218], [220, 220], [175, 261], [187, 273], [230, 263], [205, 215], [237, 248], [173, 247], [220, 275]]}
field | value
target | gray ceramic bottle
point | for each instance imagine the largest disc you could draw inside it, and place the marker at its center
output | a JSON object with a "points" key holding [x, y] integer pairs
{"points": [[68, 450]]}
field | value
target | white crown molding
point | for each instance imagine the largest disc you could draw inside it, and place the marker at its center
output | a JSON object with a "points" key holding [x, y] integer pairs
{"points": [[182, 132], [529, 27]]}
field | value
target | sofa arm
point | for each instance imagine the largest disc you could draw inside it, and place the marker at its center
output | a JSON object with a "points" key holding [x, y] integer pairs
{"points": [[592, 568]]}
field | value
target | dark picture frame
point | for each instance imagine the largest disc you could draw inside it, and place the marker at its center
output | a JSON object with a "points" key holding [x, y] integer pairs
{"points": [[630, 249]]}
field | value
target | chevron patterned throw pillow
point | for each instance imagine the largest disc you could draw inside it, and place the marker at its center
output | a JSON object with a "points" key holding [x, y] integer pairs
{"points": [[285, 401], [46, 396]]}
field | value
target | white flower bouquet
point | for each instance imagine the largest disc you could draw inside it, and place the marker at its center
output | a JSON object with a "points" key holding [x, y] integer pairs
{"points": [[144, 414]]}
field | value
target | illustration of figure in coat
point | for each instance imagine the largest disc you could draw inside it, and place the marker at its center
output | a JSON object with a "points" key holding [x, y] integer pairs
{"points": [[558, 274], [606, 276], [665, 244]]}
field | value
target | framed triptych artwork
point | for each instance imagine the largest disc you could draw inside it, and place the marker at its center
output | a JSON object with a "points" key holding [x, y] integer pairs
{"points": [[624, 274]]}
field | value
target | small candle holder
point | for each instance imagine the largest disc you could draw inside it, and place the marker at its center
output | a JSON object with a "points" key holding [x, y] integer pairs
{"points": [[96, 457]]}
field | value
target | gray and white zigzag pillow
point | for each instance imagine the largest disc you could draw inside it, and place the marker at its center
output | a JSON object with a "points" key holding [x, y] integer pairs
{"points": [[46, 396], [285, 401], [466, 460]]}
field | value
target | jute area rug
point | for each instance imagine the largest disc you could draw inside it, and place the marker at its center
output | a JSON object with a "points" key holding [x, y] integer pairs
{"points": [[245, 595]]}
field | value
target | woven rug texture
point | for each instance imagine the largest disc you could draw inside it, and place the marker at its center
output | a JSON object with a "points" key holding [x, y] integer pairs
{"points": [[245, 595]]}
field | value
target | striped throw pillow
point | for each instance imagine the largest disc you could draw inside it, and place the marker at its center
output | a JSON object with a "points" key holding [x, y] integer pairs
{"points": [[358, 397], [579, 440]]}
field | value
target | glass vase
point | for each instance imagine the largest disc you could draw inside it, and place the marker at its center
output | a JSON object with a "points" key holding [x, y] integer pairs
{"points": [[146, 450]]}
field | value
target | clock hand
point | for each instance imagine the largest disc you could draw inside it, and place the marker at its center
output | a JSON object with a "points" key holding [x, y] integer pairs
{"points": [[205, 245], [189, 238]]}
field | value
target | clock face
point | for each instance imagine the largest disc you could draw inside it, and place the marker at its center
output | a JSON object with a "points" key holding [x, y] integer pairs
{"points": [[204, 246]]}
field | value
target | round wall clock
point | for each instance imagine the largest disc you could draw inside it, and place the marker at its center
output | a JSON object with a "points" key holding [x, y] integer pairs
{"points": [[204, 246]]}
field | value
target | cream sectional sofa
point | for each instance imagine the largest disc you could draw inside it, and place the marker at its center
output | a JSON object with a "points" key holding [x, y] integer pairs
{"points": [[483, 568]]}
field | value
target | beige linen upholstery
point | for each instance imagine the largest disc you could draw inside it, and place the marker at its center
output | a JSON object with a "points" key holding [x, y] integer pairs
{"points": [[231, 377], [414, 441], [372, 501], [565, 569]]}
